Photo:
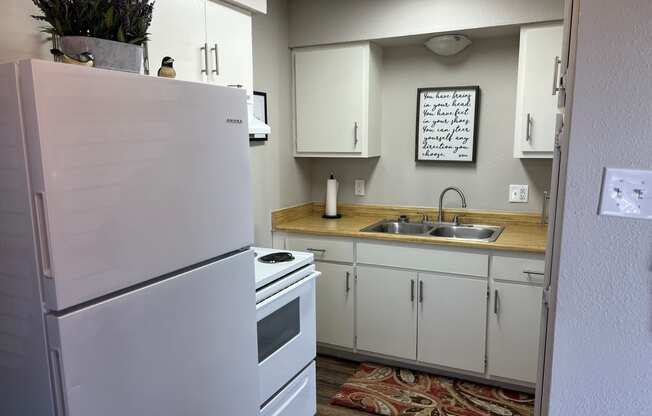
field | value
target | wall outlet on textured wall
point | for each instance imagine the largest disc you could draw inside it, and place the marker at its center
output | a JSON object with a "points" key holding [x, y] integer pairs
{"points": [[359, 187], [518, 193]]}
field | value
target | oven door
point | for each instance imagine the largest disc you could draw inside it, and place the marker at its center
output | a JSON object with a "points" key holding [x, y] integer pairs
{"points": [[286, 335]]}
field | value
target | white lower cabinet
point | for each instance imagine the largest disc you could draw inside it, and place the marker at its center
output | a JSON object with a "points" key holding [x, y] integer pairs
{"points": [[452, 321], [514, 323], [387, 311], [335, 304], [468, 310]]}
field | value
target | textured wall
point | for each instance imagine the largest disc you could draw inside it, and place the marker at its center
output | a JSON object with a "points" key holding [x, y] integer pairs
{"points": [[279, 180], [395, 178], [314, 22], [602, 358]]}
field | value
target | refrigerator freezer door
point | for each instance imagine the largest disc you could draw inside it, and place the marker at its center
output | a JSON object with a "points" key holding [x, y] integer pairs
{"points": [[132, 176], [183, 346]]}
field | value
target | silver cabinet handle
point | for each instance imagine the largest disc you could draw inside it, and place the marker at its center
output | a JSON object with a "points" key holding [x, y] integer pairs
{"points": [[496, 302], [316, 250], [533, 272], [421, 291], [216, 71], [528, 128], [412, 290], [205, 49], [355, 134], [555, 80], [348, 287]]}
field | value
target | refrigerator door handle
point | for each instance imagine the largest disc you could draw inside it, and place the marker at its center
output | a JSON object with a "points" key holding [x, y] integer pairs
{"points": [[58, 384], [43, 235]]}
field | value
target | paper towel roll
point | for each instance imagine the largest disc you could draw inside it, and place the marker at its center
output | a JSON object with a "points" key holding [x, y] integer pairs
{"points": [[331, 197]]}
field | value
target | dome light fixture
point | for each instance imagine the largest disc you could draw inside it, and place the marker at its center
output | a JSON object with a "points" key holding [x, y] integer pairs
{"points": [[447, 45]]}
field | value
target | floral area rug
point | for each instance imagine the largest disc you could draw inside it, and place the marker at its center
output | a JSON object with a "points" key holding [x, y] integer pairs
{"points": [[397, 392]]}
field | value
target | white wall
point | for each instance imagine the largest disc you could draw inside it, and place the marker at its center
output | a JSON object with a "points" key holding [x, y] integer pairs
{"points": [[395, 178], [20, 34], [602, 357], [315, 22], [279, 180]]}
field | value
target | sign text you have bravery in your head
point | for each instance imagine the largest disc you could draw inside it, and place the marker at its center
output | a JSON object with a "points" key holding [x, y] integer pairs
{"points": [[446, 125]]}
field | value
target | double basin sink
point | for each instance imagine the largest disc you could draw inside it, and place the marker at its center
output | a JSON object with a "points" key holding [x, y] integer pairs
{"points": [[485, 233]]}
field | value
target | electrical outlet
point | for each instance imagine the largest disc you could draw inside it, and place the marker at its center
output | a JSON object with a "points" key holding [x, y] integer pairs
{"points": [[518, 193], [359, 187], [626, 193]]}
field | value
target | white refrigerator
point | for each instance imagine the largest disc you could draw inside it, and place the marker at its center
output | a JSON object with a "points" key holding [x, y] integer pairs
{"points": [[126, 278]]}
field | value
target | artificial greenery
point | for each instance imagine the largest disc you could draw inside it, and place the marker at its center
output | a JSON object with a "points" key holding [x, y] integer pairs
{"points": [[120, 20]]}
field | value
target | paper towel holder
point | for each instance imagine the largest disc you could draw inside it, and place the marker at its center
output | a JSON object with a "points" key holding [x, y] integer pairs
{"points": [[337, 215]]}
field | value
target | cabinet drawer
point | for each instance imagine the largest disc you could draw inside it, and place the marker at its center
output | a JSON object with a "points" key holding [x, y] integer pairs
{"points": [[518, 268], [323, 248], [443, 260]]}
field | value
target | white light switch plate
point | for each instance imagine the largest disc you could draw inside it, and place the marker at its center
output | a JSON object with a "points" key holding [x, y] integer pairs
{"points": [[359, 187], [518, 193], [626, 193]]}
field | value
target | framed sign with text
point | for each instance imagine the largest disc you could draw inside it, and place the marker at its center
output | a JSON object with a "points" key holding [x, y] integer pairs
{"points": [[447, 124]]}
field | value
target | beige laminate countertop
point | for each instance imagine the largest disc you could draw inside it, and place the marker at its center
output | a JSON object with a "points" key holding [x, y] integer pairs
{"points": [[526, 237]]}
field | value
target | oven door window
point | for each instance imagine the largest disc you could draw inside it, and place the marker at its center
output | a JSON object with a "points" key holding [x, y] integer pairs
{"points": [[278, 328]]}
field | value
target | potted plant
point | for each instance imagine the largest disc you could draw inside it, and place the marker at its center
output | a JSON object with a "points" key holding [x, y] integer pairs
{"points": [[113, 31]]}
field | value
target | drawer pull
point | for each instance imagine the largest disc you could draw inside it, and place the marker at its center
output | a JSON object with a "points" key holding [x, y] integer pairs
{"points": [[532, 272]]}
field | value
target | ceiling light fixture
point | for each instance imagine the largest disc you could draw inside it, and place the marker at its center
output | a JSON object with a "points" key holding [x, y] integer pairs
{"points": [[447, 45]]}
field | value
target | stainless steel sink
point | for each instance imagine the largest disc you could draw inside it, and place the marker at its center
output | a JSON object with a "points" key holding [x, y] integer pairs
{"points": [[468, 232], [397, 227], [487, 233]]}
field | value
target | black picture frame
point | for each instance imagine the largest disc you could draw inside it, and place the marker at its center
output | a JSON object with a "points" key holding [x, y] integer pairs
{"points": [[258, 107], [476, 114]]}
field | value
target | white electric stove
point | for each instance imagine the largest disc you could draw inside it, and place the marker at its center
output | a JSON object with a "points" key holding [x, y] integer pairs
{"points": [[287, 338]]}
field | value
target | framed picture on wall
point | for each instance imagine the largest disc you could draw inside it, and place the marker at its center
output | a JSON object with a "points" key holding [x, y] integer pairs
{"points": [[260, 112], [447, 124]]}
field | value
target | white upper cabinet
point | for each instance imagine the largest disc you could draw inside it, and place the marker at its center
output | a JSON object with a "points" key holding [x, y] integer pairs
{"points": [[337, 101], [178, 30], [536, 97], [259, 6], [229, 38], [210, 41]]}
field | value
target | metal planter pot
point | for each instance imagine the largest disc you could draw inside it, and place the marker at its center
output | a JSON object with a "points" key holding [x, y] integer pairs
{"points": [[108, 54]]}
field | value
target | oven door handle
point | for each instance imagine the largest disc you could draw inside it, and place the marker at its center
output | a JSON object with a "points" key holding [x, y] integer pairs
{"points": [[288, 289]]}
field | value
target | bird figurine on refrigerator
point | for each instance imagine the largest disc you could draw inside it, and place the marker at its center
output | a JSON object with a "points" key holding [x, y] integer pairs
{"points": [[84, 58], [167, 70]]}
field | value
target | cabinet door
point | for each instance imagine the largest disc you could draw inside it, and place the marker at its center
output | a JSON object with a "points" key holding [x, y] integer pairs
{"points": [[452, 321], [536, 103], [179, 30], [515, 315], [229, 35], [386, 311], [335, 319], [330, 84]]}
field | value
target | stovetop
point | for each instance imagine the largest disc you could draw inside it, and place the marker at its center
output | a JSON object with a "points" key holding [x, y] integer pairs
{"points": [[269, 272]]}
